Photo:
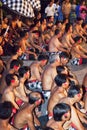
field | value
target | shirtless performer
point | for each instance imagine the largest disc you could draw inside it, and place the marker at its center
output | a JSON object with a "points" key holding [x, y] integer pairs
{"points": [[24, 74], [14, 66], [74, 95], [34, 37], [50, 71], [67, 39], [61, 114], [77, 48], [5, 115], [79, 53], [60, 91], [54, 44], [24, 44], [36, 68], [78, 30], [26, 116], [17, 52], [8, 94]]}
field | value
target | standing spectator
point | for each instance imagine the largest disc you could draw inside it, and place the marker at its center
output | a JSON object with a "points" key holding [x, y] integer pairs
{"points": [[83, 10], [66, 8], [50, 10], [73, 12], [56, 6]]}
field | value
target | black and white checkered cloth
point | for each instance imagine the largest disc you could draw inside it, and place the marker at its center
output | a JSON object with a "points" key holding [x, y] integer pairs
{"points": [[23, 7]]}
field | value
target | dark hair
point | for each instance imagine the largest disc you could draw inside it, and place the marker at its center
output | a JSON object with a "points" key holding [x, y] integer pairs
{"points": [[14, 63], [73, 90], [43, 57], [15, 49], [22, 70], [64, 20], [59, 69], [33, 99], [5, 110], [60, 79], [23, 33], [77, 38], [57, 31], [68, 25], [64, 55], [8, 78], [42, 20], [84, 24], [59, 110], [36, 21], [79, 18]]}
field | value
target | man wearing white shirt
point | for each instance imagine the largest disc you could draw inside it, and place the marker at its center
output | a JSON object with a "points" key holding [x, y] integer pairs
{"points": [[50, 9]]}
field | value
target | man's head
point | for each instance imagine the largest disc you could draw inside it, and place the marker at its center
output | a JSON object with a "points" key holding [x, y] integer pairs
{"points": [[61, 80], [78, 39], [75, 92], [36, 34], [79, 21], [62, 69], [64, 58], [17, 50], [58, 33], [61, 112], [68, 28], [5, 110], [54, 58], [43, 59], [24, 34], [15, 64], [12, 79], [35, 98], [24, 71]]}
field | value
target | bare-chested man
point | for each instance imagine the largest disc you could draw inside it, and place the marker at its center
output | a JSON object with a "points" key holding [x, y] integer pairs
{"points": [[54, 44], [74, 95], [24, 44], [77, 50], [14, 66], [24, 74], [26, 115], [60, 91], [17, 52], [61, 114], [12, 82], [78, 30], [67, 39], [5, 115], [36, 69]]}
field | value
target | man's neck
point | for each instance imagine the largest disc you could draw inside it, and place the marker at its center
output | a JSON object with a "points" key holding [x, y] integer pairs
{"points": [[4, 123], [22, 80]]}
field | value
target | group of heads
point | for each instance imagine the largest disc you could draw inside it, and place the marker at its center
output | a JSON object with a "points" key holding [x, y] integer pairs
{"points": [[61, 58]]}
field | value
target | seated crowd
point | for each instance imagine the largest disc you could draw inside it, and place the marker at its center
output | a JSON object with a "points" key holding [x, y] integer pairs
{"points": [[46, 94]]}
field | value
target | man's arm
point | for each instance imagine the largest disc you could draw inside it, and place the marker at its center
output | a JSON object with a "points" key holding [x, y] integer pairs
{"points": [[75, 119], [31, 123], [37, 74]]}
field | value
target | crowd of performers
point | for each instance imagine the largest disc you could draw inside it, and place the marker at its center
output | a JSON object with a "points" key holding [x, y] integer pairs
{"points": [[45, 94]]}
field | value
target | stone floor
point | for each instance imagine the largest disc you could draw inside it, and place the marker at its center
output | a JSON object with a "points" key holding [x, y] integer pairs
{"points": [[79, 71]]}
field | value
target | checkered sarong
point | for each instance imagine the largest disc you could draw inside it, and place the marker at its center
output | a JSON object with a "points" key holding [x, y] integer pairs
{"points": [[23, 7]]}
